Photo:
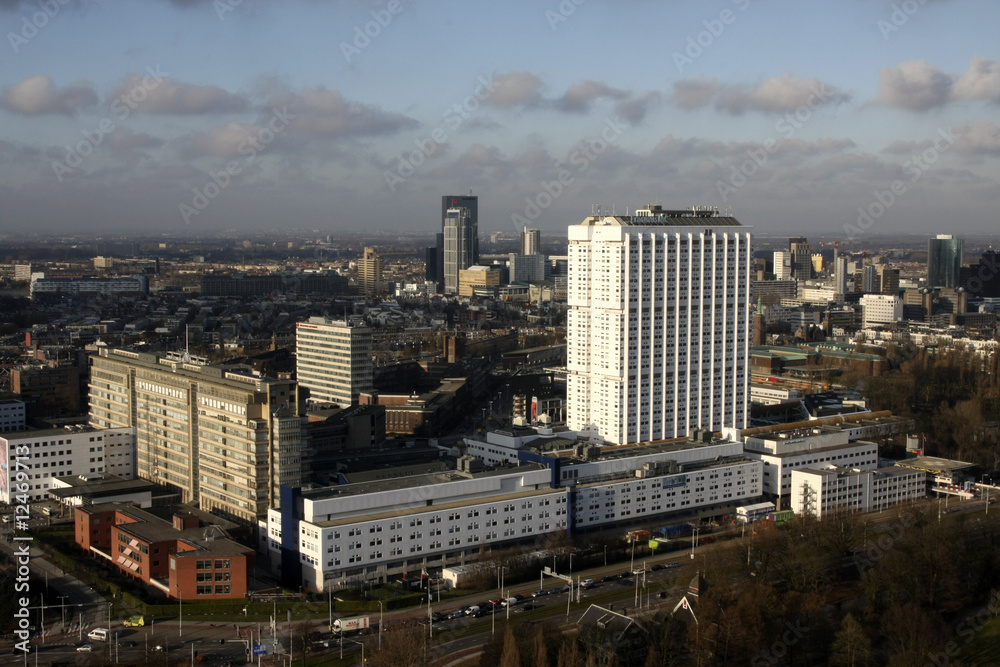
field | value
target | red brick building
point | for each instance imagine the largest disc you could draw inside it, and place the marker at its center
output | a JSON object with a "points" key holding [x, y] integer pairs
{"points": [[180, 550]]}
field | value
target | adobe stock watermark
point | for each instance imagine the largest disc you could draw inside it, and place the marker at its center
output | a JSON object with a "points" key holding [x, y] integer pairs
{"points": [[916, 166], [988, 270], [714, 28], [223, 7], [581, 159], [786, 126], [876, 548], [901, 13], [967, 630], [773, 654], [371, 30], [47, 10], [452, 119], [251, 146], [122, 107], [562, 13]]}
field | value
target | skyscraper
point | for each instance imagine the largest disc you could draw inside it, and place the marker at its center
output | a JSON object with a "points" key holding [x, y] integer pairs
{"points": [[461, 245], [944, 261], [782, 265], [531, 241], [659, 325], [333, 359], [370, 281], [840, 281], [801, 251]]}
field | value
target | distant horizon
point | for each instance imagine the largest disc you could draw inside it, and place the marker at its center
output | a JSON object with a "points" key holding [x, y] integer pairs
{"points": [[207, 115]]}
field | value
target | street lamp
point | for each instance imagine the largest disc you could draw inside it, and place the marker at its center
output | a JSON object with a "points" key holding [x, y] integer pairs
{"points": [[380, 626]]}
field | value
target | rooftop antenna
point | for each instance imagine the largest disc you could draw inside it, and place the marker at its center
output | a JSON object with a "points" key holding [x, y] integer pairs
{"points": [[187, 344]]}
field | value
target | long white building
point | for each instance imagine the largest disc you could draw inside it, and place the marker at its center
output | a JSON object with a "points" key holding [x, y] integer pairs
{"points": [[831, 489], [44, 454], [380, 528], [333, 360], [659, 326]]}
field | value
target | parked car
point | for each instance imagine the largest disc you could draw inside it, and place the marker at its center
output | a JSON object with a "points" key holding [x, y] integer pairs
{"points": [[84, 648]]}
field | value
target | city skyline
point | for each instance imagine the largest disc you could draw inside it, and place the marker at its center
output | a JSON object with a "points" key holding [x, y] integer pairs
{"points": [[869, 118]]}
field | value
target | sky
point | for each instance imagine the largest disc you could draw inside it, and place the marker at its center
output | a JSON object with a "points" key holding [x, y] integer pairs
{"points": [[840, 118]]}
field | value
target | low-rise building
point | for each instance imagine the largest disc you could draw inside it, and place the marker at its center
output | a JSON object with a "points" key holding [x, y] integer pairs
{"points": [[12, 415], [830, 489], [45, 454], [179, 550]]}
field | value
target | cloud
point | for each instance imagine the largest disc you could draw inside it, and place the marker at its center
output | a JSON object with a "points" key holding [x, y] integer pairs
{"points": [[780, 94], [516, 89], [981, 139], [125, 142], [37, 96], [777, 94], [915, 85], [634, 110], [327, 113], [579, 98], [221, 142], [980, 82], [694, 93], [167, 96]]}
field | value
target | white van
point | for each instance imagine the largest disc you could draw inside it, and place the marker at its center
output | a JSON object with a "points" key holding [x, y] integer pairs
{"points": [[98, 635]]}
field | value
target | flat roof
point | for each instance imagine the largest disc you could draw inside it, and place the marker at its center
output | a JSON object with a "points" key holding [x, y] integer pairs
{"points": [[933, 464], [47, 432], [414, 481], [98, 484], [155, 524]]}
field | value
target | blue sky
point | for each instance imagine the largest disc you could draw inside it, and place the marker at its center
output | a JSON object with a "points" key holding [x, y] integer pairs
{"points": [[212, 116]]}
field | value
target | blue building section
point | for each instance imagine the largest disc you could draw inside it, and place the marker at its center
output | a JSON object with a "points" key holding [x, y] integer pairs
{"points": [[553, 463], [291, 566]]}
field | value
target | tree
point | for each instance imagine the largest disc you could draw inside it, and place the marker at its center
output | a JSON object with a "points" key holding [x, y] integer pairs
{"points": [[511, 656], [851, 645], [541, 649]]}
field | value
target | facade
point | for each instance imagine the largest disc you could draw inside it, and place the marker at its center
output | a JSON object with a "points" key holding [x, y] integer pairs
{"points": [[944, 261], [134, 285], [370, 280], [213, 434], [377, 529], [840, 276], [12, 415], [830, 489], [45, 454], [782, 453], [79, 490], [527, 268], [48, 390], [773, 395], [531, 241], [333, 360], [659, 326], [461, 246], [477, 276], [181, 551], [782, 265], [881, 309], [801, 258]]}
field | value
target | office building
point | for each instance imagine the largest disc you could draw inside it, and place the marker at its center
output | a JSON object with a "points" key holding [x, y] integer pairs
{"points": [[58, 452], [785, 451], [659, 325], [459, 246], [801, 258], [881, 309], [218, 435], [12, 415], [527, 268], [478, 277], [829, 490], [370, 282], [47, 389], [131, 286], [944, 261], [183, 552], [531, 241], [384, 525], [840, 276], [782, 265], [333, 360]]}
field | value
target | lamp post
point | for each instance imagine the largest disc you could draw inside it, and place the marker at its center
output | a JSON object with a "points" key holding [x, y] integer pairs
{"points": [[605, 555], [380, 626]]}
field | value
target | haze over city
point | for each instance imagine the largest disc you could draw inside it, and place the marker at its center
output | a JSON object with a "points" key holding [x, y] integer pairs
{"points": [[193, 116]]}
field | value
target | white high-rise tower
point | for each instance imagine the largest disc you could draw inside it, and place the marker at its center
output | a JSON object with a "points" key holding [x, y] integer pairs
{"points": [[659, 325]]}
